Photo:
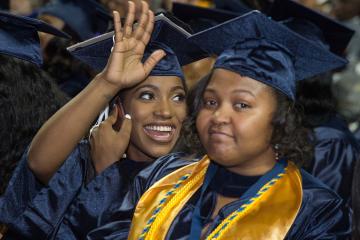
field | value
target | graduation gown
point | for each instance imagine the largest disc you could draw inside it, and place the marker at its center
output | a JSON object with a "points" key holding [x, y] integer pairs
{"points": [[318, 212], [70, 205], [336, 152]]}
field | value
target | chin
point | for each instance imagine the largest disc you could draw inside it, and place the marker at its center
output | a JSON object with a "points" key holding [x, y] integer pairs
{"points": [[222, 158], [159, 151]]}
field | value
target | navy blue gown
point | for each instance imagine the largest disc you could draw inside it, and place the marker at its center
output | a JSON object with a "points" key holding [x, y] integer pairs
{"points": [[336, 152], [322, 214], [70, 205]]}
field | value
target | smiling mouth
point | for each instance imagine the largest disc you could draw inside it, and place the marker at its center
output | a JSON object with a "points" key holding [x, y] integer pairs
{"points": [[160, 133]]}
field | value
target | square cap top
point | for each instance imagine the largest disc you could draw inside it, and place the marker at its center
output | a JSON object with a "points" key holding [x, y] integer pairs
{"points": [[167, 35], [265, 50]]}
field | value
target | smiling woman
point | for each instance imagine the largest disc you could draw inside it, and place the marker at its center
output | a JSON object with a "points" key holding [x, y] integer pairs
{"points": [[157, 108], [79, 185]]}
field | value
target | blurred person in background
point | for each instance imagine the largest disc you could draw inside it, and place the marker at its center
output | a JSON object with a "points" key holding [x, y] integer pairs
{"points": [[122, 5], [21, 7], [81, 19], [28, 96], [347, 83]]}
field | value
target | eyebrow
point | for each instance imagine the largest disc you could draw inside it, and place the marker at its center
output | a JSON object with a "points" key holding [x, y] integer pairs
{"points": [[146, 86], [243, 91], [157, 89], [234, 91], [176, 88]]}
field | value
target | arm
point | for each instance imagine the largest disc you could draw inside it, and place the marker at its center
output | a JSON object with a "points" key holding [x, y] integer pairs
{"points": [[59, 135]]}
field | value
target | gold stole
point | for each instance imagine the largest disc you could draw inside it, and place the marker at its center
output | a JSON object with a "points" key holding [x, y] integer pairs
{"points": [[269, 217]]}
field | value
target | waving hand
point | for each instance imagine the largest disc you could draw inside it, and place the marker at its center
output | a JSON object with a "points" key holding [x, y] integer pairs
{"points": [[125, 68]]}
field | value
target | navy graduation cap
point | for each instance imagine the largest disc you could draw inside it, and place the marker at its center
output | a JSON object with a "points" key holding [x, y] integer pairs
{"points": [[335, 34], [255, 46], [166, 35], [19, 36], [200, 18], [85, 18], [232, 5]]}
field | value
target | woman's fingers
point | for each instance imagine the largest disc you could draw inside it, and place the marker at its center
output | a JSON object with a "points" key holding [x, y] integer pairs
{"points": [[113, 116], [154, 58], [129, 20], [140, 28], [125, 130], [117, 27], [148, 29]]}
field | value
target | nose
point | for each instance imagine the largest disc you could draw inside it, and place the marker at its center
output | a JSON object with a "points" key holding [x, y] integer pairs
{"points": [[221, 115], [164, 109]]}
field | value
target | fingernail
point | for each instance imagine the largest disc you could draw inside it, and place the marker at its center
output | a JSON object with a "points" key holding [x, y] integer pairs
{"points": [[128, 116]]}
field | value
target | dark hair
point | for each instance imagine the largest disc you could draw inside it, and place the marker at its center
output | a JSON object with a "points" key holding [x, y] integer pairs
{"points": [[289, 135], [356, 200], [61, 65], [315, 96], [28, 97]]}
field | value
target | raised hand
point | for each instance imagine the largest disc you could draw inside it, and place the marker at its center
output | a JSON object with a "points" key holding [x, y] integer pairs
{"points": [[108, 145], [124, 68]]}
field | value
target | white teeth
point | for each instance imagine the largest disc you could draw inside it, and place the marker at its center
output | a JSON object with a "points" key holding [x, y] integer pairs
{"points": [[159, 128]]}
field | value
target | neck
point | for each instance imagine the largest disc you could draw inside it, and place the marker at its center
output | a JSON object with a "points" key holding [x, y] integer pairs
{"points": [[256, 166], [252, 170]]}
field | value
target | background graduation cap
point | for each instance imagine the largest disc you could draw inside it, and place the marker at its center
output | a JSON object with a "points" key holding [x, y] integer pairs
{"points": [[85, 18], [307, 59], [200, 18], [239, 6], [19, 36], [335, 34], [95, 52]]}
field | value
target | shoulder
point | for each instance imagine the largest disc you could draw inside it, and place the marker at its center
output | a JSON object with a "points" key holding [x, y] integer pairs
{"points": [[322, 215], [164, 166], [314, 188]]}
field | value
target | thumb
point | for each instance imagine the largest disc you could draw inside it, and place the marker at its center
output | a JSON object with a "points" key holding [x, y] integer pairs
{"points": [[125, 130], [154, 58]]}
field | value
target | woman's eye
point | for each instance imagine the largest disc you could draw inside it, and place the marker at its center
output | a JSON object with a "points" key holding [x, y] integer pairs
{"points": [[146, 96], [179, 98], [241, 106], [210, 103]]}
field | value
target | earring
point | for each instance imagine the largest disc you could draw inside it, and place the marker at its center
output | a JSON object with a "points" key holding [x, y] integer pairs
{"points": [[276, 149]]}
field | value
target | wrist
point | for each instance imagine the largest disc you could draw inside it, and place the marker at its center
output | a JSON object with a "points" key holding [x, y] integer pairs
{"points": [[108, 89]]}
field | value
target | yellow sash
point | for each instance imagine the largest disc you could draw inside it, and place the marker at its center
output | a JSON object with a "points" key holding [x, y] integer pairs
{"points": [[269, 217]]}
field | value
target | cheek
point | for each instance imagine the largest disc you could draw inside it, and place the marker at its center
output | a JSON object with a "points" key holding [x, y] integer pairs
{"points": [[202, 121], [180, 112], [138, 112], [254, 127]]}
